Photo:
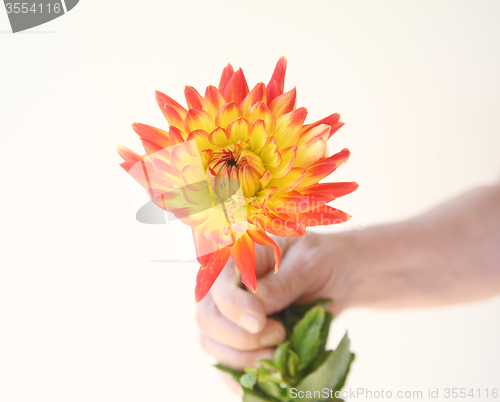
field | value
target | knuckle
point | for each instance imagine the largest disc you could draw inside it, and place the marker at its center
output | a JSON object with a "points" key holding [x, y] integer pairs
{"points": [[224, 300], [246, 342], [284, 288], [272, 306]]}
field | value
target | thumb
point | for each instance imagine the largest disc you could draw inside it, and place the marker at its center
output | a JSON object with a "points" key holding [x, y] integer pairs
{"points": [[236, 304], [240, 306], [293, 280]]}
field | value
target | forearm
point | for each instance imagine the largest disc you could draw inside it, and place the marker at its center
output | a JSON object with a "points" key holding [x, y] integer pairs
{"points": [[448, 255]]}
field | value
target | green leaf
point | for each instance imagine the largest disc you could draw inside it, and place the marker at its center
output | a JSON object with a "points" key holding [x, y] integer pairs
{"points": [[282, 317], [301, 361], [299, 311], [257, 396], [339, 386], [292, 363], [280, 356], [268, 365], [273, 389], [322, 302], [291, 315], [331, 372], [306, 336], [249, 379], [263, 375], [235, 374], [318, 361], [325, 330]]}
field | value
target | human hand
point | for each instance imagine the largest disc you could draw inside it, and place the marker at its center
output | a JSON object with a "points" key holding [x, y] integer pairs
{"points": [[233, 321]]}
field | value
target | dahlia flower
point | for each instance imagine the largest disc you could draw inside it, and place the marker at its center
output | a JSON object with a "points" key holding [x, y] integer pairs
{"points": [[237, 164]]}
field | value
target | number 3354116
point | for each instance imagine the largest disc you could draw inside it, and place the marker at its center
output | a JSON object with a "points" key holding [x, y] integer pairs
{"points": [[24, 8]]}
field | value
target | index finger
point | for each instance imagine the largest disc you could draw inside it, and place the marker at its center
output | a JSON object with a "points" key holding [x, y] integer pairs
{"points": [[237, 304]]}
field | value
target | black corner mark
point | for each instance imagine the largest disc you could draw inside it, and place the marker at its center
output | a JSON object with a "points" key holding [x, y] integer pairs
{"points": [[26, 14]]}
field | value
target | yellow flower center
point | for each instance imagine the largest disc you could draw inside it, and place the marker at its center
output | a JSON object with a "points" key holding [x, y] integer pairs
{"points": [[238, 162]]}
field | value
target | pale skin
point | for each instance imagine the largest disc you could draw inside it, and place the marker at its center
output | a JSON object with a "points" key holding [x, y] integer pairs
{"points": [[448, 255]]}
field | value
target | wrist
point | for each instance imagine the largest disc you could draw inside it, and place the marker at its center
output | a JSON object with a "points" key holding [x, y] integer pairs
{"points": [[382, 259]]}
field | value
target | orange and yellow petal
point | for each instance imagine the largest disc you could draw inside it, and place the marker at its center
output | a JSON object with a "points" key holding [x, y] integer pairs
{"points": [[287, 162], [322, 168], [257, 94], [243, 256], [175, 136], [152, 138], [312, 146], [262, 112], [289, 126], [257, 135], [238, 131], [193, 98], [209, 273], [324, 215], [218, 137], [227, 114], [237, 88], [290, 181], [213, 101], [277, 82], [336, 190], [249, 179], [173, 111], [270, 155], [226, 76], [198, 119], [281, 226], [284, 103], [202, 139], [259, 236]]}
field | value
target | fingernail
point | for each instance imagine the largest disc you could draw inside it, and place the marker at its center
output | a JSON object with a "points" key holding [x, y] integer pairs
{"points": [[250, 323], [272, 338]]}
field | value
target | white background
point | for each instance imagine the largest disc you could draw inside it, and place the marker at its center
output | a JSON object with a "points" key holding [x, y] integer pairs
{"points": [[84, 313]]}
